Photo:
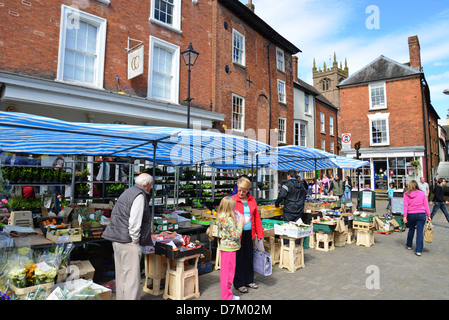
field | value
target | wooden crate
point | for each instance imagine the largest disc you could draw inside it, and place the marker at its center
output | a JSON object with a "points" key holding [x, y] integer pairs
{"points": [[22, 292], [361, 225], [182, 280], [64, 235], [291, 254], [324, 241], [155, 272], [365, 238]]}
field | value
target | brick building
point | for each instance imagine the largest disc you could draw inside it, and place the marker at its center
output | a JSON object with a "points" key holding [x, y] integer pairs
{"points": [[386, 106], [69, 60]]}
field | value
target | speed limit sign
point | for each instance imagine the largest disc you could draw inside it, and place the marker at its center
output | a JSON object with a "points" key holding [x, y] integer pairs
{"points": [[346, 140]]}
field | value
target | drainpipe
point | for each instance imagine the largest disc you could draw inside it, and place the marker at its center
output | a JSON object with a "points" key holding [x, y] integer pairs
{"points": [[424, 128], [269, 94]]}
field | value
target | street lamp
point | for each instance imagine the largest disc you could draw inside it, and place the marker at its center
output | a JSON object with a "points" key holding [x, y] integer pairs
{"points": [[189, 56]]}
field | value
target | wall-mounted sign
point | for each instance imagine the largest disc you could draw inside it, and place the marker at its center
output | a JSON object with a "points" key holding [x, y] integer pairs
{"points": [[346, 141], [135, 62]]}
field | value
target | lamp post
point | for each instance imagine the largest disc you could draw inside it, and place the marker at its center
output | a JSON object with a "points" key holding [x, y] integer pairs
{"points": [[189, 56]]}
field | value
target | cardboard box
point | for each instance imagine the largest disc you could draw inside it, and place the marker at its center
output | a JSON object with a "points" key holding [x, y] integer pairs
{"points": [[78, 270], [101, 293], [64, 235]]}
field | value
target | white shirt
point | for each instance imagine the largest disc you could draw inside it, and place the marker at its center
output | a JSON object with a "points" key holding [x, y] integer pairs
{"points": [[424, 187], [135, 218]]}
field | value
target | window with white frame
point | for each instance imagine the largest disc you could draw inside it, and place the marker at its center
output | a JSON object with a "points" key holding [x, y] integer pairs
{"points": [[377, 95], [323, 144], [81, 48], [163, 75], [166, 13], [331, 125], [322, 123], [332, 147], [300, 134], [379, 129], [238, 47], [306, 104], [238, 113], [281, 130], [281, 91], [280, 60]]}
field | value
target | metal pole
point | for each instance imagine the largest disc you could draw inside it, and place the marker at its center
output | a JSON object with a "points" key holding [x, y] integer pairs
{"points": [[188, 100]]}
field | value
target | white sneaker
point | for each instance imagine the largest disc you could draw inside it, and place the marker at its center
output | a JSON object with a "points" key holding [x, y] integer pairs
{"points": [[235, 298], [418, 253]]}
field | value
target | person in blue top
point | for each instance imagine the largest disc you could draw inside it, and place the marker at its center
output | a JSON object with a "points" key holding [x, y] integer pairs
{"points": [[390, 194]]}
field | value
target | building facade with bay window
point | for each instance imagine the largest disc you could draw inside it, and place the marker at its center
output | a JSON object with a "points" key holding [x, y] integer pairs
{"points": [[386, 106]]}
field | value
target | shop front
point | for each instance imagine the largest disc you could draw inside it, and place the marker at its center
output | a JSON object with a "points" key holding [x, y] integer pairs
{"points": [[395, 165]]}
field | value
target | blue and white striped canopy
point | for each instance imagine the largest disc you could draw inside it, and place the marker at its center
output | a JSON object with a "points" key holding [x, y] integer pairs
{"points": [[25, 133], [343, 162]]}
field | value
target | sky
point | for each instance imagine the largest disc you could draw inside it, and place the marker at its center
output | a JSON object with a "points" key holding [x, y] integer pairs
{"points": [[360, 31]]}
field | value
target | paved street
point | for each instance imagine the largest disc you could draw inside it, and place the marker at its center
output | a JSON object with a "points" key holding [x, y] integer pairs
{"points": [[343, 272]]}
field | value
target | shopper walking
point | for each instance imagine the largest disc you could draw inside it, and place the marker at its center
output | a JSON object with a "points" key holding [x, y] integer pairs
{"points": [[230, 230], [416, 208], [438, 200], [424, 186], [129, 229], [246, 205], [390, 195]]}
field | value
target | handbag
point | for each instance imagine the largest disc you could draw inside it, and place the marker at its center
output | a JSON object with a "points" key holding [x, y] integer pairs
{"points": [[428, 232], [261, 260]]}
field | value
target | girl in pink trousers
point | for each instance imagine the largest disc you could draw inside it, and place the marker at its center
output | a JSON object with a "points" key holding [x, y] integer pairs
{"points": [[229, 230]]}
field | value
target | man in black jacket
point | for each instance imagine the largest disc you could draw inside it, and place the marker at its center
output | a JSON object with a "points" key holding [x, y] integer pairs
{"points": [[293, 194], [438, 199]]}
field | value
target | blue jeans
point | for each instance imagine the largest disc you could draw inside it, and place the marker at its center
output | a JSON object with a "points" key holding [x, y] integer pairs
{"points": [[416, 221], [442, 206], [347, 195]]}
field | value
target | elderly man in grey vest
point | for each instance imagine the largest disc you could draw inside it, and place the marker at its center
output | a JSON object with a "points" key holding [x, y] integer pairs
{"points": [[129, 229]]}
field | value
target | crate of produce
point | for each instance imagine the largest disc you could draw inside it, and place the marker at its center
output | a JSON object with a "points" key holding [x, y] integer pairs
{"points": [[269, 223], [165, 248], [23, 292], [184, 222], [293, 230], [92, 229], [364, 217], [201, 220], [323, 227], [64, 235]]}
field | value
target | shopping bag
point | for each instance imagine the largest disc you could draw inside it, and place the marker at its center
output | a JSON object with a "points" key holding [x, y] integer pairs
{"points": [[428, 232], [261, 260]]}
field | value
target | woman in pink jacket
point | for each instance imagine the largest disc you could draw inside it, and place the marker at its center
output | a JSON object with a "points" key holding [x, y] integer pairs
{"points": [[416, 209]]}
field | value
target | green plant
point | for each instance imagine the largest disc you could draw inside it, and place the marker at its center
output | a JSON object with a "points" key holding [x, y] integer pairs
{"points": [[82, 188], [85, 173], [17, 202]]}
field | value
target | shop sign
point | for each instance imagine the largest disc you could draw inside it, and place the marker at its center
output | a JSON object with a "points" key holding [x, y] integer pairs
{"points": [[135, 63]]}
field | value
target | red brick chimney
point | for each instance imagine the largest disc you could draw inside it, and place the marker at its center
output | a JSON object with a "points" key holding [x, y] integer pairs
{"points": [[415, 52], [295, 68]]}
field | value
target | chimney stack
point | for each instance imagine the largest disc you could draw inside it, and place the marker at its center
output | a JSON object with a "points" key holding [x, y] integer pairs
{"points": [[250, 5], [295, 68], [415, 52]]}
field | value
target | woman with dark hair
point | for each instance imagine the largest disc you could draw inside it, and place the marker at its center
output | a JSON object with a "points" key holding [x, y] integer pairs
{"points": [[416, 209]]}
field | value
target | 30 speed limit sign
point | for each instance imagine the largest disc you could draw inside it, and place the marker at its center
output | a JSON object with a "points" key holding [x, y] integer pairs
{"points": [[346, 140]]}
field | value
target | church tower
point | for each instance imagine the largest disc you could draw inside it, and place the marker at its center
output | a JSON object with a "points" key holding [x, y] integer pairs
{"points": [[327, 79]]}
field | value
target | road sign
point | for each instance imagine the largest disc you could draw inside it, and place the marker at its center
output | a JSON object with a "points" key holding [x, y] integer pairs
{"points": [[346, 140]]}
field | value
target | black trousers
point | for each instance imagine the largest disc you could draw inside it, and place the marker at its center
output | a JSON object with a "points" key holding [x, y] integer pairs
{"points": [[244, 272]]}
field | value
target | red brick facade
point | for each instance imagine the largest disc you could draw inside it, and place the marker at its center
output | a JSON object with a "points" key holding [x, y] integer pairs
{"points": [[30, 42], [327, 136]]}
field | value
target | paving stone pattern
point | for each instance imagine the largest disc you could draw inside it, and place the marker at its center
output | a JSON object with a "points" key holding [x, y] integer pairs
{"points": [[343, 272]]}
